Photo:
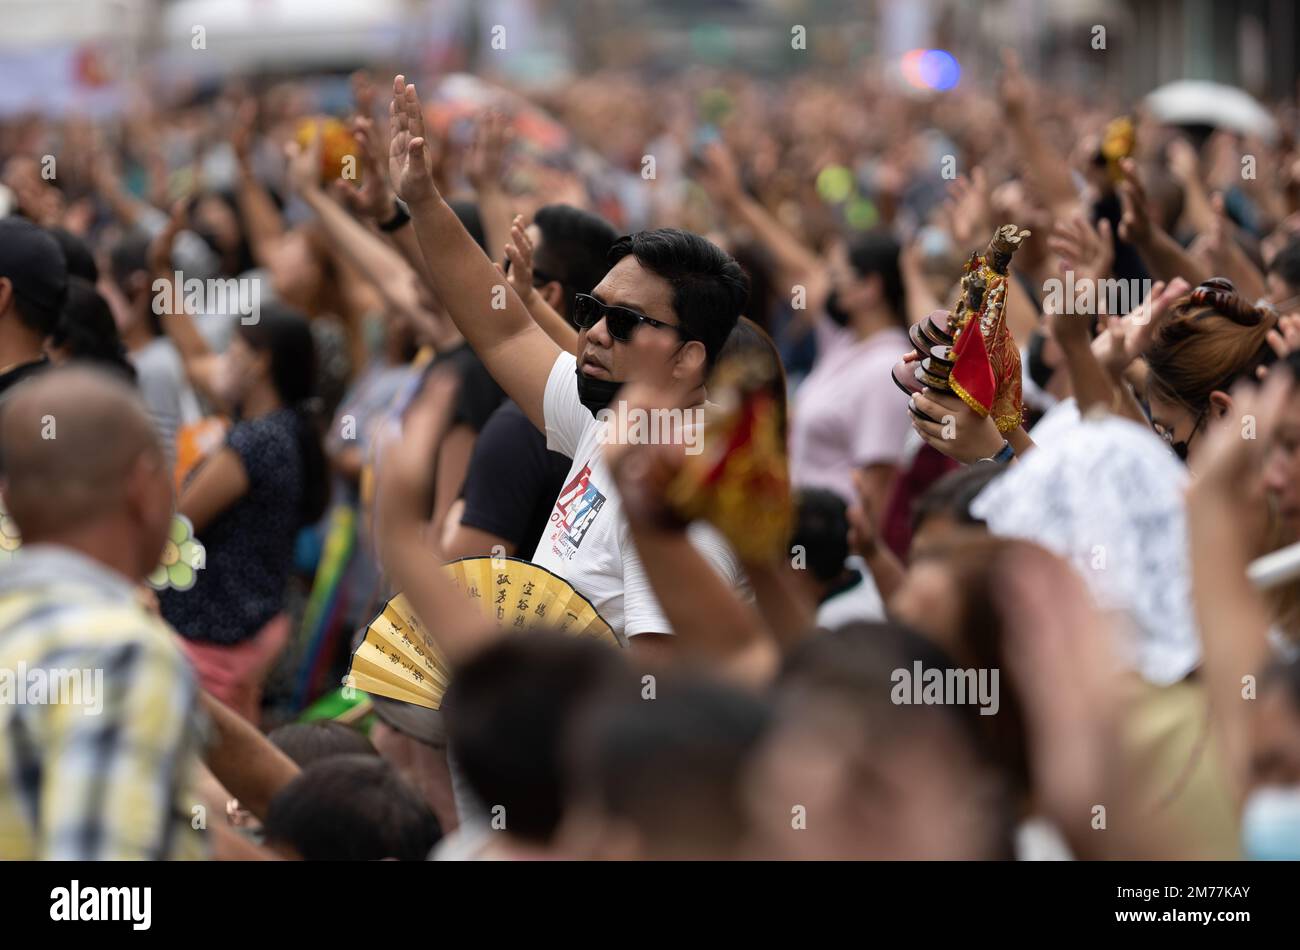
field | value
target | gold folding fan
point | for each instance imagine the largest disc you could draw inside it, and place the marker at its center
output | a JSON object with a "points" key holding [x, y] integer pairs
{"points": [[400, 660]]}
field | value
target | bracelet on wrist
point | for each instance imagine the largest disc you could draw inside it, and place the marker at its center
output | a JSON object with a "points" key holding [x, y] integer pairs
{"points": [[401, 215]]}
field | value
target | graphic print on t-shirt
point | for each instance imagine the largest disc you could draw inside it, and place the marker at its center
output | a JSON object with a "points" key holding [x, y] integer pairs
{"points": [[575, 511]]}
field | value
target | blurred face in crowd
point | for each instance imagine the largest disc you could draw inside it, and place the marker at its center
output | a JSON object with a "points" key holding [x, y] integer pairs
{"points": [[854, 292], [1275, 738], [241, 368], [213, 217], [829, 785], [655, 355], [298, 277], [1282, 465]]}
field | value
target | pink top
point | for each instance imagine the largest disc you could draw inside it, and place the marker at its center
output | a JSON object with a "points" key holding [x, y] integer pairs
{"points": [[848, 413]]}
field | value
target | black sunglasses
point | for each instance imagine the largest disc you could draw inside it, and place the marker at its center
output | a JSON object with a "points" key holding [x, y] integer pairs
{"points": [[622, 322]]}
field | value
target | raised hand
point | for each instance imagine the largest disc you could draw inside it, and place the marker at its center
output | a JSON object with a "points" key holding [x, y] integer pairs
{"points": [[718, 173], [1135, 223], [372, 196], [519, 252], [302, 171], [1088, 251], [410, 163], [968, 209], [486, 161], [242, 132], [159, 254], [1014, 90], [1128, 338]]}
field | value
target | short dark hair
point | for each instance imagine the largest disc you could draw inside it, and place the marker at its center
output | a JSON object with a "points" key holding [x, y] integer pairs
{"points": [[310, 742], [1287, 265], [672, 768], [710, 289], [574, 248], [87, 330], [822, 529], [33, 260], [352, 808], [951, 496], [77, 254], [508, 711], [877, 252]]}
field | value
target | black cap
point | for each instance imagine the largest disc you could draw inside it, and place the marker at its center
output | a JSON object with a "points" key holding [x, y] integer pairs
{"points": [[33, 261]]}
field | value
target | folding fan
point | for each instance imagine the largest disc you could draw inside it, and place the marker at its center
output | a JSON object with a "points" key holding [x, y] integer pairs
{"points": [[400, 659]]}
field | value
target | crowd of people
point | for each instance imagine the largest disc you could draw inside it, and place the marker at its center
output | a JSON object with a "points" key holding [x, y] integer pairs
{"points": [[346, 350]]}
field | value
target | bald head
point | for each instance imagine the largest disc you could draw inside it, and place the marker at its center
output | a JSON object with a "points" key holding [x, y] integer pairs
{"points": [[74, 443]]}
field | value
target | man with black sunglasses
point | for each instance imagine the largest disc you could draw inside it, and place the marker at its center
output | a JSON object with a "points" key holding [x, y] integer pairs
{"points": [[660, 315], [513, 479]]}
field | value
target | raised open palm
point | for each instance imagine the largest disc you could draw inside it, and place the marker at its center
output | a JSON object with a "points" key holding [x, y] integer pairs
{"points": [[409, 161]]}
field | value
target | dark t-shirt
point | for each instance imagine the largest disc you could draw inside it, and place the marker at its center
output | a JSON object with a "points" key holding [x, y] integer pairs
{"points": [[478, 395], [248, 547], [17, 374], [513, 480]]}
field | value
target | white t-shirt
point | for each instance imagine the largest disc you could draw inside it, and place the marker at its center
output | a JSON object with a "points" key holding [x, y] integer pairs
{"points": [[160, 375], [587, 541]]}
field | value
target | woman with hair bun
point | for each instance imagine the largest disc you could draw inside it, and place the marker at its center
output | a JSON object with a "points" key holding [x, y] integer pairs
{"points": [[1211, 339]]}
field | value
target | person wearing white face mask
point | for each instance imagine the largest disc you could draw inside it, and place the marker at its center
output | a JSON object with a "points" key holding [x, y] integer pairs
{"points": [[1250, 662], [1270, 821]]}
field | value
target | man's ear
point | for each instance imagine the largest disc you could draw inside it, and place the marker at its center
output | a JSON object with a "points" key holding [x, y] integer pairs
{"points": [[6, 293], [553, 293], [690, 361]]}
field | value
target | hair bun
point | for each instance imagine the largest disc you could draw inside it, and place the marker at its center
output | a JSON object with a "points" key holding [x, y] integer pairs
{"points": [[1221, 294]]}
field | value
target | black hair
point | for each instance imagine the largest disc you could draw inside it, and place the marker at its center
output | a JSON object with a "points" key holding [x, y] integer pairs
{"points": [[748, 340], [87, 330], [309, 742], [352, 808], [129, 256], [34, 249], [822, 529], [1287, 265], [80, 260], [286, 335], [673, 767], [952, 495], [508, 712], [755, 260], [468, 214], [877, 252], [573, 250], [710, 289]]}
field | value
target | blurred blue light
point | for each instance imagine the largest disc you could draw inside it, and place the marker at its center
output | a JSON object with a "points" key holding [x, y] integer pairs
{"points": [[939, 69]]}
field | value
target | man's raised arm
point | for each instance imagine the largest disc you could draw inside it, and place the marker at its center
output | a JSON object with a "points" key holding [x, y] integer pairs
{"points": [[517, 353]]}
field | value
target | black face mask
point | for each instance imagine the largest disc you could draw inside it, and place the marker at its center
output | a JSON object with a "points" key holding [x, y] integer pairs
{"points": [[596, 394], [835, 311]]}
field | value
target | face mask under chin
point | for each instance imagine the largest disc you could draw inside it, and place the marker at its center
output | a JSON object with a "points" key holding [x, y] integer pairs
{"points": [[835, 310], [596, 394]]}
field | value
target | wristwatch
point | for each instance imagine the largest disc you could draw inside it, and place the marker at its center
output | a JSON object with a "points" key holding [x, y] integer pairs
{"points": [[1004, 454], [400, 216]]}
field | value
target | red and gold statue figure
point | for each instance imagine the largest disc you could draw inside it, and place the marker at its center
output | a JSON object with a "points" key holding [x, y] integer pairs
{"points": [[982, 368]]}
